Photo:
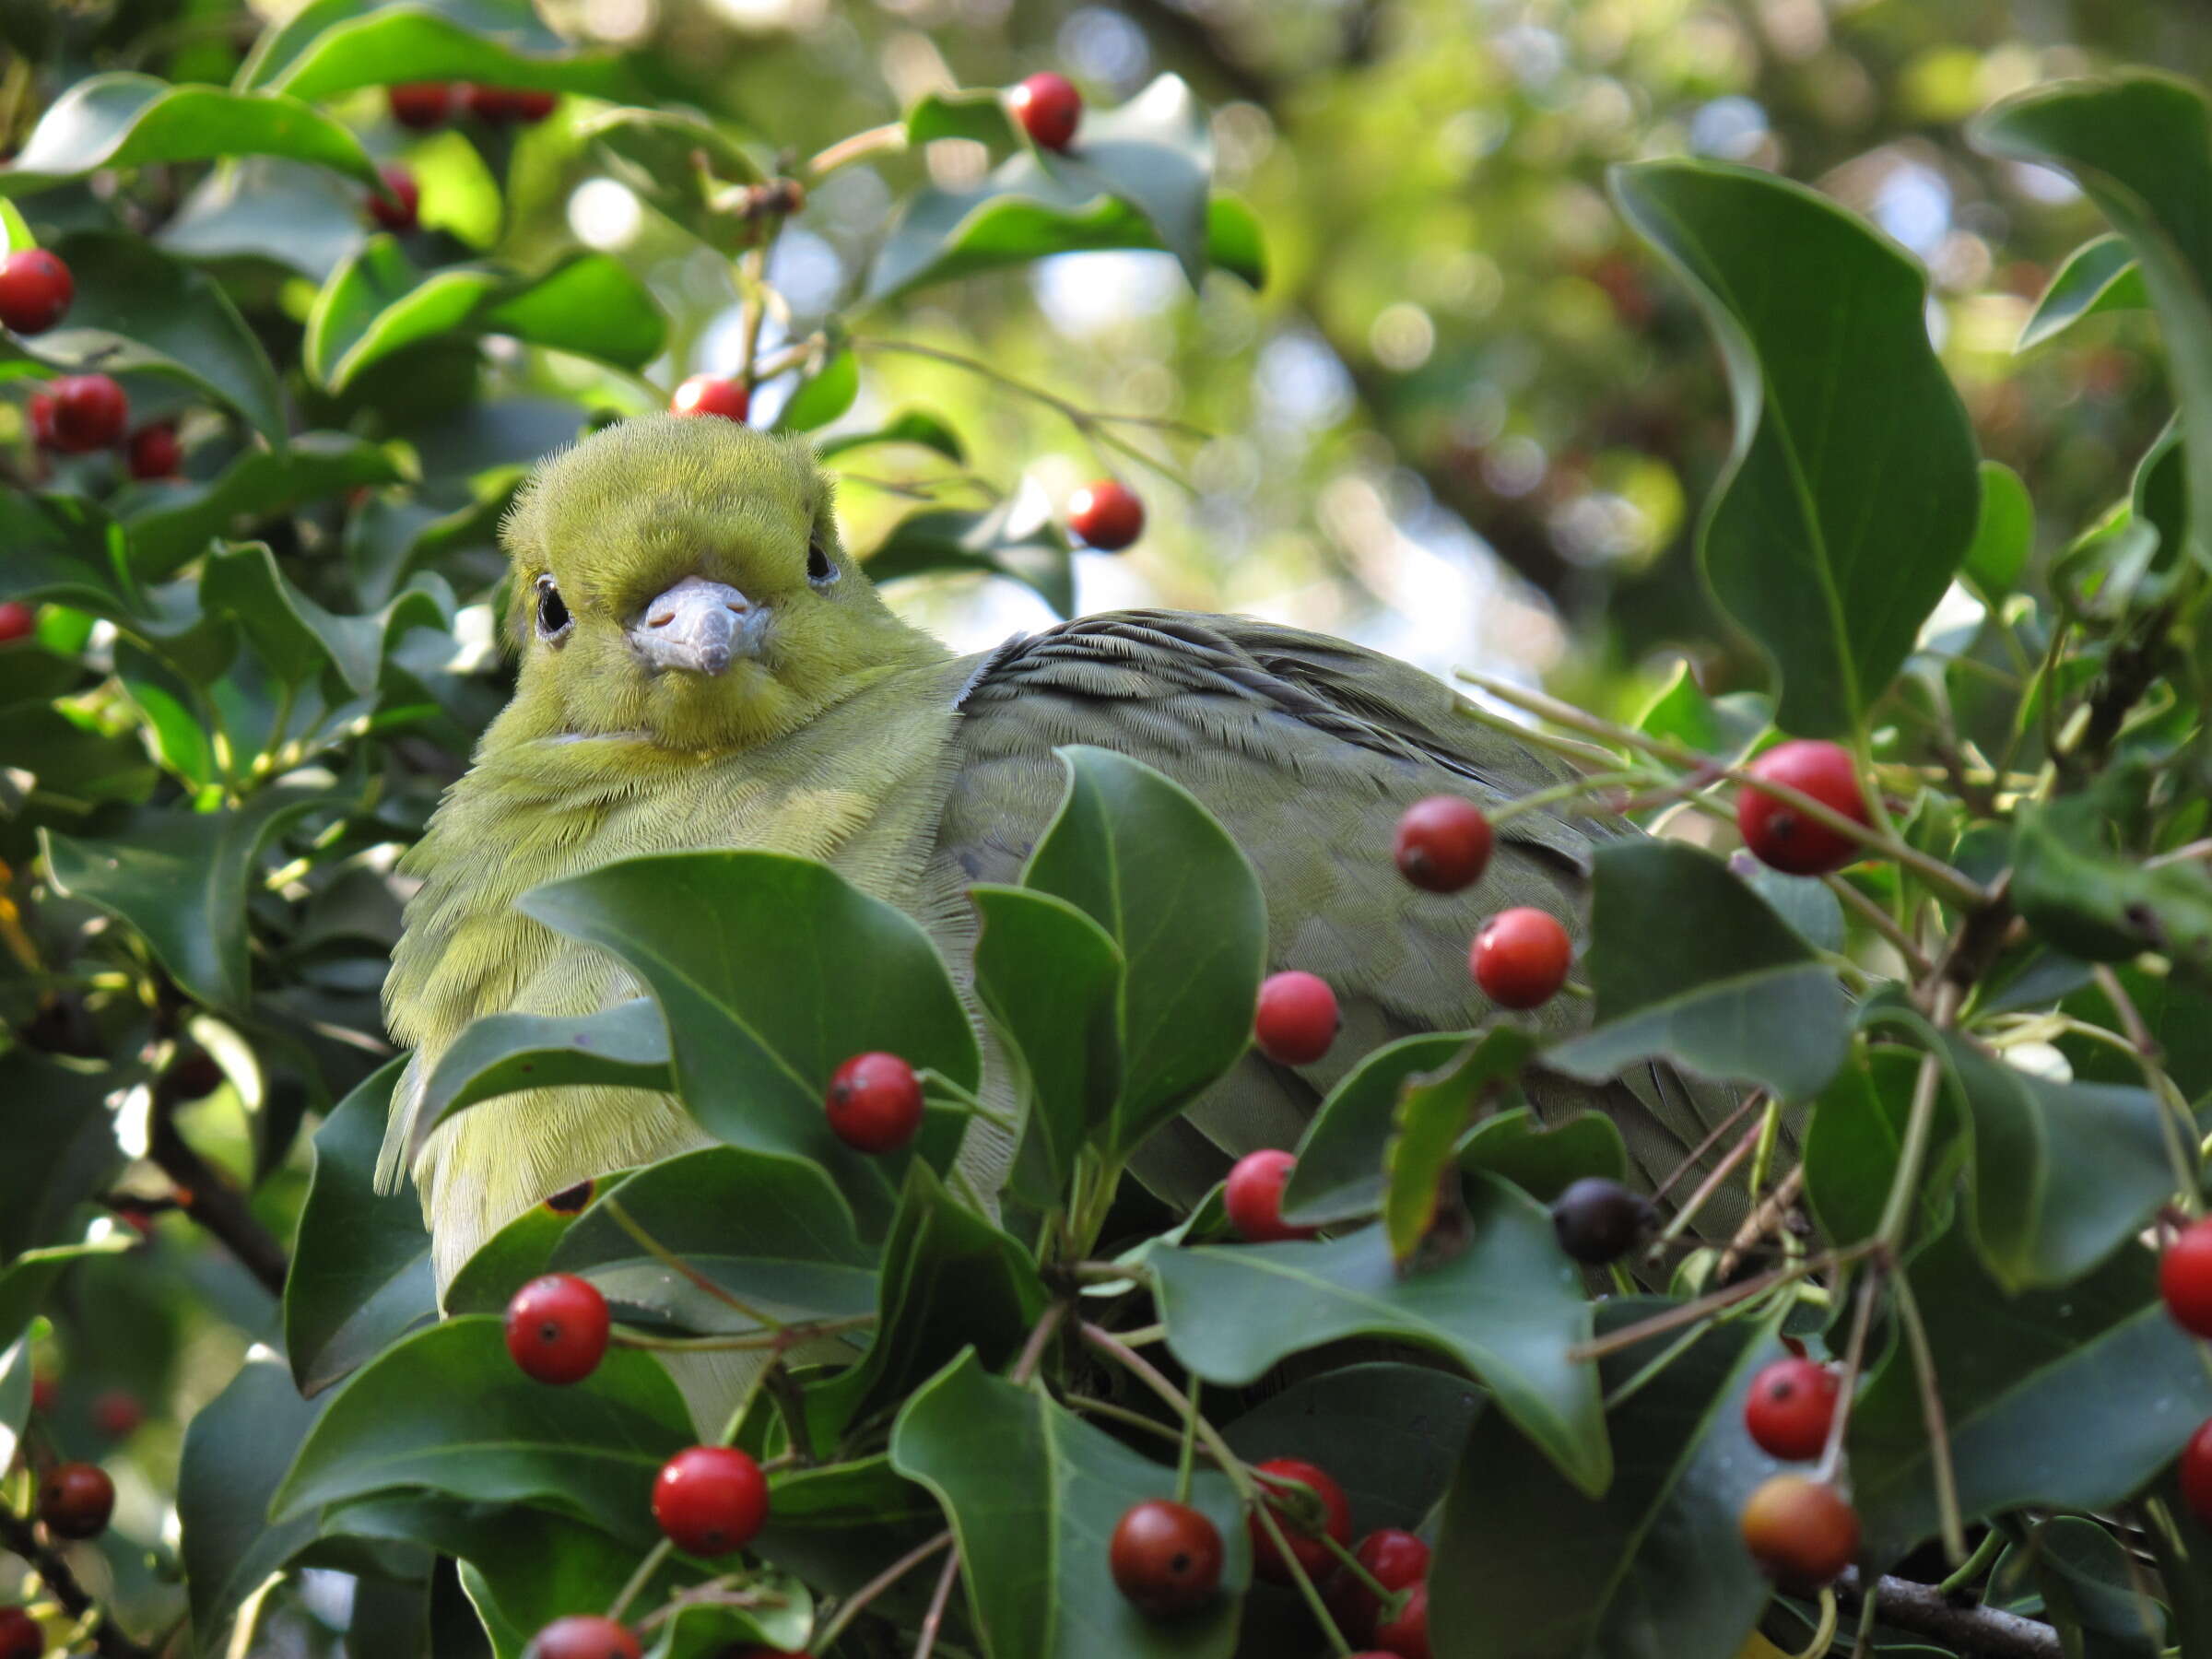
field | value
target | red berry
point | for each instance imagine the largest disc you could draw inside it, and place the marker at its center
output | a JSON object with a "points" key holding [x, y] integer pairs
{"points": [[39, 411], [21, 1637], [1443, 843], [35, 291], [530, 105], [1800, 1531], [1107, 514], [874, 1103], [711, 1499], [711, 395], [16, 621], [1047, 106], [523, 104], [76, 1499], [1791, 1405], [1395, 1559], [1166, 1558], [45, 1392], [582, 1636], [1297, 1019], [155, 452], [116, 1412], [1780, 835], [89, 413], [193, 1075], [2186, 1278], [1304, 1517], [420, 104], [556, 1328], [394, 206], [1520, 957], [1407, 1635], [1254, 1197], [2197, 1473]]}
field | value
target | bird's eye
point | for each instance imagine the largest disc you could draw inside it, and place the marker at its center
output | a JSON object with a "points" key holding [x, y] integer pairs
{"points": [[820, 571], [553, 618]]}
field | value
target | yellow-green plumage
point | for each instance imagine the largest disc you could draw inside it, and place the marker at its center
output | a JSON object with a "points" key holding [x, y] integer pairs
{"points": [[843, 734]]}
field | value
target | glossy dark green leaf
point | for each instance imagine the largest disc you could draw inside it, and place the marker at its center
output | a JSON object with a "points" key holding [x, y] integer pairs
{"points": [[76, 767], [1433, 1112], [823, 396], [974, 114], [180, 878], [297, 638], [139, 311], [263, 208], [1814, 913], [1051, 980], [2003, 534], [1034, 1494], [1139, 855], [1528, 1567], [124, 120], [1020, 539], [1389, 1431], [2069, 1398], [448, 1411], [758, 1031], [1681, 711], [2093, 1591], [771, 1231], [2140, 146], [332, 46], [838, 1526], [27, 1277], [1508, 1308], [1851, 1142], [1850, 495], [918, 427], [378, 303], [510, 1259], [622, 1047], [950, 1280], [1739, 996], [361, 1271], [1339, 1174], [171, 524], [1544, 1159], [2099, 276], [237, 1448], [2098, 904], [61, 1138], [654, 151]]}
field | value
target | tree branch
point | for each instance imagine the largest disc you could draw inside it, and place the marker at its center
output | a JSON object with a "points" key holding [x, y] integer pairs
{"points": [[1925, 1611], [22, 1538], [207, 1197]]}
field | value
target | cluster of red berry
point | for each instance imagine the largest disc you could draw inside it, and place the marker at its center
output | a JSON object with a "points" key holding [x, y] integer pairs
{"points": [[73, 1503], [77, 413], [423, 105]]}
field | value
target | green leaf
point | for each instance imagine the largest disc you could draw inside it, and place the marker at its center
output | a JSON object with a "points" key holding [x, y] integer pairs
{"points": [[361, 1272], [296, 637], [332, 46], [265, 208], [61, 1142], [1850, 496], [2140, 146], [757, 1033], [2005, 534], [237, 1448], [1388, 1430], [1138, 854], [510, 1258], [15, 235], [1738, 996], [823, 397], [138, 311], [2092, 1586], [2099, 276], [950, 1281], [1020, 539], [838, 1526], [1680, 712], [2100, 905], [1339, 1175], [117, 121], [2095, 1377], [1814, 913], [446, 1410], [771, 1231], [1051, 980], [977, 115], [182, 879], [1508, 1308], [1545, 1159], [27, 1277], [171, 524], [653, 151], [1528, 1567], [918, 427], [1034, 1494], [1853, 1138], [1433, 1111], [376, 303], [622, 1047]]}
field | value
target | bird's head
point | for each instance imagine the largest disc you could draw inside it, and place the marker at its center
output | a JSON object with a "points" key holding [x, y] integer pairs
{"points": [[682, 579]]}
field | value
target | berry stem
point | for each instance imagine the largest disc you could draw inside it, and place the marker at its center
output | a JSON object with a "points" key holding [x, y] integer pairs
{"points": [[1847, 1380], [1748, 1105], [1953, 1525], [778, 1339], [1041, 1336], [1187, 1456], [1876, 917], [935, 1616], [850, 1608], [669, 1259], [1690, 1313], [1919, 1125], [1351, 1563], [20, 1538], [1975, 1565], [1745, 1145], [640, 1579], [1588, 784], [888, 139]]}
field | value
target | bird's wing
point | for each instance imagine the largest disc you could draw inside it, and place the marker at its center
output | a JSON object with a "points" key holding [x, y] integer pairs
{"points": [[1307, 748]]}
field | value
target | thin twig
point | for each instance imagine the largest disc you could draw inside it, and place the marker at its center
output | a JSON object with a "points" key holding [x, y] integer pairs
{"points": [[1751, 1102], [1762, 1220], [676, 1263], [935, 1616], [1847, 1383], [1953, 1525], [1925, 1611], [22, 1538], [1628, 1337], [206, 1195], [850, 1609], [1041, 1336], [1712, 1184], [1876, 917]]}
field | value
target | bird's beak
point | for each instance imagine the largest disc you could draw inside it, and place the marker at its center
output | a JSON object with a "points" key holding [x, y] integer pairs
{"points": [[697, 625]]}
